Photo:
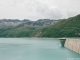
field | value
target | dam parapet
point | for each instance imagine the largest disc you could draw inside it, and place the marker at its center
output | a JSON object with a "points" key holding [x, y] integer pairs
{"points": [[73, 44]]}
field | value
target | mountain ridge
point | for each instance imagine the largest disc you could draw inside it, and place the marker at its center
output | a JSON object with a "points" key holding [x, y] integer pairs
{"points": [[65, 28], [16, 22]]}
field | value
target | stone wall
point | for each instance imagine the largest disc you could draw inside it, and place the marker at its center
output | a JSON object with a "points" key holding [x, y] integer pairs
{"points": [[73, 44]]}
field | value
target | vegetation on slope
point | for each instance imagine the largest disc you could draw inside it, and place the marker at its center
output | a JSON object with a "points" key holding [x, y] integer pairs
{"points": [[65, 28], [18, 31]]}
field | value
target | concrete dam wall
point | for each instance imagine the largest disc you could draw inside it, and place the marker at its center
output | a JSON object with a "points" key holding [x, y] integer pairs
{"points": [[73, 44]]}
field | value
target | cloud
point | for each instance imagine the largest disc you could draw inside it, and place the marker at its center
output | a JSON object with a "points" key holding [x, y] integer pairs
{"points": [[39, 9]]}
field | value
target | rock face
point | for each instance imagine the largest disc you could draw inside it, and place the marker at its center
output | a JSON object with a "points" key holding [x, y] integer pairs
{"points": [[15, 22], [73, 44]]}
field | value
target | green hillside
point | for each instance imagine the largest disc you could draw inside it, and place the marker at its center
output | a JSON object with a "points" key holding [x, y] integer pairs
{"points": [[18, 31], [65, 28]]}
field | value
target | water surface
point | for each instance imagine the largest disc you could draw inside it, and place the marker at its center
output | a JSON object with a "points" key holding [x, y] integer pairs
{"points": [[34, 49]]}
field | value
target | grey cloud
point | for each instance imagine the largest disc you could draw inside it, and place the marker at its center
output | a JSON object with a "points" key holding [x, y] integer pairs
{"points": [[71, 13], [37, 9], [53, 14]]}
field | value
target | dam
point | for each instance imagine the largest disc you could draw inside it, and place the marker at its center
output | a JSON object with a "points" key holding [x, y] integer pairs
{"points": [[72, 44]]}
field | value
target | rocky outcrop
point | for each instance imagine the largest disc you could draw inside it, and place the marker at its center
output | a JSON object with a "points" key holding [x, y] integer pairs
{"points": [[15, 22]]}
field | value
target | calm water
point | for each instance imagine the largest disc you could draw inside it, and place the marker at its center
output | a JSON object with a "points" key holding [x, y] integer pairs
{"points": [[34, 49]]}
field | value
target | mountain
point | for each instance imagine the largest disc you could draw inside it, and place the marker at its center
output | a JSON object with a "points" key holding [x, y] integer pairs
{"points": [[16, 22], [43, 28], [18, 31], [64, 28], [22, 28], [12, 22]]}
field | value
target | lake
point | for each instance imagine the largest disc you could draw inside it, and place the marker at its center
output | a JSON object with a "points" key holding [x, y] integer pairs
{"points": [[34, 49]]}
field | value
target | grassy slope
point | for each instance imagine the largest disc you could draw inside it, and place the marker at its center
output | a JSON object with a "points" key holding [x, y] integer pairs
{"points": [[65, 28], [19, 31]]}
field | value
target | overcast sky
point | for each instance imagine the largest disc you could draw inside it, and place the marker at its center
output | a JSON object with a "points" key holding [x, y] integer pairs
{"points": [[38, 9]]}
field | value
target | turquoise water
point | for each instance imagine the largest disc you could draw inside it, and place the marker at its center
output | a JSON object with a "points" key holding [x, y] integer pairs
{"points": [[34, 49]]}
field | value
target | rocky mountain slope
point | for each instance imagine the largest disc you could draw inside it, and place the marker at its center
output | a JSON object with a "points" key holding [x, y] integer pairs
{"points": [[65, 28], [15, 22]]}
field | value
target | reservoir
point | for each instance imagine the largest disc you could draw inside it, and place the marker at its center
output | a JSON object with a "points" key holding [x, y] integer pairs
{"points": [[34, 49]]}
